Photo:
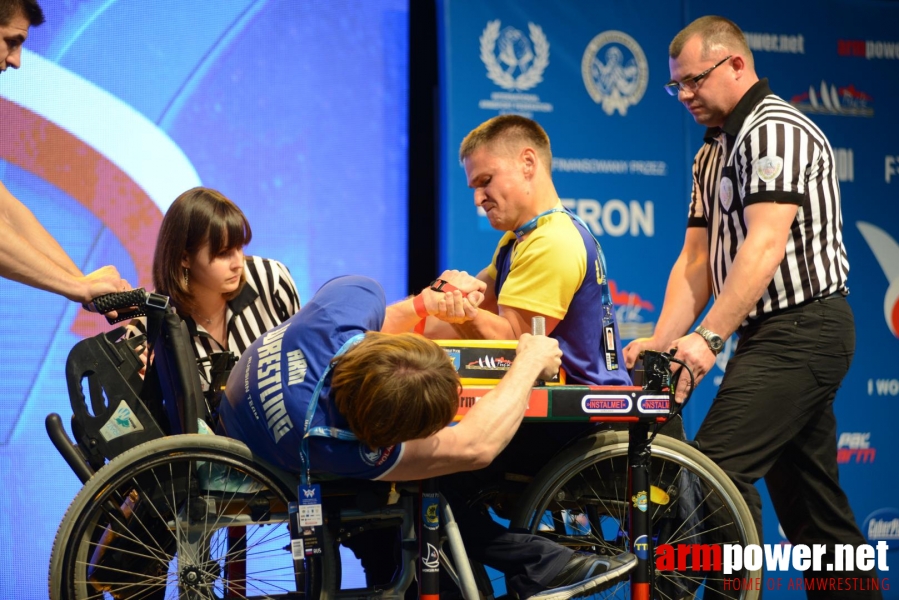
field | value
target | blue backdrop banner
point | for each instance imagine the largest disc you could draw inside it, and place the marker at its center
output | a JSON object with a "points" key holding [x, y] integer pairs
{"points": [[591, 72]]}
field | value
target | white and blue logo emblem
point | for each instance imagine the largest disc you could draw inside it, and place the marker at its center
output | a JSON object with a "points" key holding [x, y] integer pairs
{"points": [[615, 71]]}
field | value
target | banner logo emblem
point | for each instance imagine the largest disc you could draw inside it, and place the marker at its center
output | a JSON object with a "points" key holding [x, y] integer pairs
{"points": [[845, 101], [521, 60], [615, 71], [886, 251]]}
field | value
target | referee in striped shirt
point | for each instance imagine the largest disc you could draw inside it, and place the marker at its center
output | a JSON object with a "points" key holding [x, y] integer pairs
{"points": [[764, 239]]}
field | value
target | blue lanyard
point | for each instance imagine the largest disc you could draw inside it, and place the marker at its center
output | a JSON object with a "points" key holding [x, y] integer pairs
{"points": [[532, 224], [606, 293], [330, 432]]}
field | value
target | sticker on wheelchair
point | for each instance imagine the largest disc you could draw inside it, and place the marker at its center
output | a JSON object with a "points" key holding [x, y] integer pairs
{"points": [[430, 516]]}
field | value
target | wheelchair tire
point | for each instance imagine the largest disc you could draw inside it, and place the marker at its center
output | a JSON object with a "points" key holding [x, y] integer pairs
{"points": [[186, 516], [580, 499]]}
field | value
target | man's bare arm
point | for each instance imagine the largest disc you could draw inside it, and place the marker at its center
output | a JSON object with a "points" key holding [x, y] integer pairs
{"points": [[489, 426], [491, 321], [22, 220], [460, 304], [30, 255], [688, 291], [760, 255], [768, 229]]}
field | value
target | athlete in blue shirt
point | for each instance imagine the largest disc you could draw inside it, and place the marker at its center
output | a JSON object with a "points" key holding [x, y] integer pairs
{"points": [[381, 410]]}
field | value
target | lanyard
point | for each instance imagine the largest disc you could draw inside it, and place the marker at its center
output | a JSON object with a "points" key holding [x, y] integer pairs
{"points": [[532, 224], [604, 282], [331, 432]]}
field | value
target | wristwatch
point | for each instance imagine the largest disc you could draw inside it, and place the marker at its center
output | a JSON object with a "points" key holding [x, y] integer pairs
{"points": [[712, 339]]}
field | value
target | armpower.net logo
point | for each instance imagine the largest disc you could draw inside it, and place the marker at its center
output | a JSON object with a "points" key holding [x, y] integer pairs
{"points": [[847, 568]]}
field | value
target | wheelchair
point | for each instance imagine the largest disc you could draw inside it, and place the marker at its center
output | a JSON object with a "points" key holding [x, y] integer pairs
{"points": [[169, 511]]}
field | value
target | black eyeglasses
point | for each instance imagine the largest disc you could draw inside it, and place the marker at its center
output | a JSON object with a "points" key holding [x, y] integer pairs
{"points": [[692, 84]]}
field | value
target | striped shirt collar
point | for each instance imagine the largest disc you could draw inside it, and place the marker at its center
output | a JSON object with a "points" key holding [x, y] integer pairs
{"points": [[734, 121]]}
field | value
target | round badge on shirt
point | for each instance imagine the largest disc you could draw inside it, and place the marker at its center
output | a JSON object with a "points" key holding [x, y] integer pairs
{"points": [[726, 193], [769, 168]]}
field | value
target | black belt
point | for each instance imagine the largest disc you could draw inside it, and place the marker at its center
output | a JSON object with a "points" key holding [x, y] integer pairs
{"points": [[838, 294], [742, 331]]}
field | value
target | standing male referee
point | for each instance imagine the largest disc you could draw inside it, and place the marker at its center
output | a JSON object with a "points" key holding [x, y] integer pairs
{"points": [[764, 236]]}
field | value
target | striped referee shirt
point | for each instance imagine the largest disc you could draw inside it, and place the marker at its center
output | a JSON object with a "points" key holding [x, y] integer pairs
{"points": [[268, 299], [767, 151]]}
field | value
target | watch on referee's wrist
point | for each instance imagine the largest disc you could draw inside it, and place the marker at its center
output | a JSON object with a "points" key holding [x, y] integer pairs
{"points": [[711, 338]]}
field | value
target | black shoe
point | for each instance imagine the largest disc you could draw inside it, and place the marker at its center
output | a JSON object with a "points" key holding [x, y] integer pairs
{"points": [[587, 573]]}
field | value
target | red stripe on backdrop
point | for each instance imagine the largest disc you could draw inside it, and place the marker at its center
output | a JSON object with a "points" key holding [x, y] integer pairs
{"points": [[45, 149]]}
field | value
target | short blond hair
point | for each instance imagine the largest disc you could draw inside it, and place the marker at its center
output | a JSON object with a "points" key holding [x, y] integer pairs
{"points": [[511, 131]]}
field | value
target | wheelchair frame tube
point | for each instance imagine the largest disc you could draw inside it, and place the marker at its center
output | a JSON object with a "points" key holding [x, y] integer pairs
{"points": [[429, 541], [639, 509]]}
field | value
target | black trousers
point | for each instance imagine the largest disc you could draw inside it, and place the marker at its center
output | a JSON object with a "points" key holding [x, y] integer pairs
{"points": [[529, 562], [773, 418]]}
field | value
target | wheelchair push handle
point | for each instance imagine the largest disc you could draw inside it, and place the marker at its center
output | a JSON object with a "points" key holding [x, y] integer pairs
{"points": [[129, 304]]}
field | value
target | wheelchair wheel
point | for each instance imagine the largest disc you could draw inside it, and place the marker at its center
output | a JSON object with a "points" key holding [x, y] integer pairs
{"points": [[187, 517], [581, 498]]}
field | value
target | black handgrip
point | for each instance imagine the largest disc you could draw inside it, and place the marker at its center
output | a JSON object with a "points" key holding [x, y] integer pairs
{"points": [[118, 301]]}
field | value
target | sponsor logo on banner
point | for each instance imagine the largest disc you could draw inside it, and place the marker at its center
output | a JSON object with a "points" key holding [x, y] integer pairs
{"points": [[629, 308], [615, 71], [882, 525], [600, 166], [869, 49], [890, 167], [831, 100], [886, 251], [845, 164], [614, 217], [775, 42], [855, 447], [515, 62], [883, 387]]}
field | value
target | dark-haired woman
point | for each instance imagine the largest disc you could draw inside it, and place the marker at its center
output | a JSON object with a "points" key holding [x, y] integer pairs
{"points": [[226, 298]]}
